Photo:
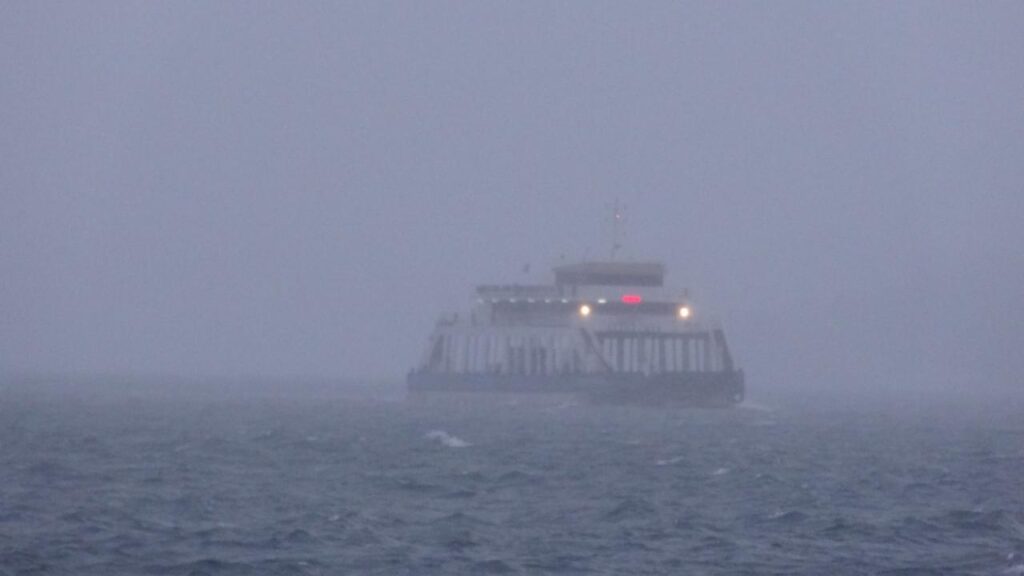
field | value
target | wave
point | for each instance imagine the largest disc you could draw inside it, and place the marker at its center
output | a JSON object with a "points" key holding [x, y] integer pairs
{"points": [[630, 508], [517, 478], [447, 439], [976, 520], [788, 516], [492, 567], [461, 520], [209, 565]]}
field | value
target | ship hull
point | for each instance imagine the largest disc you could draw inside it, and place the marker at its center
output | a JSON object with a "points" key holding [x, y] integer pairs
{"points": [[697, 389]]}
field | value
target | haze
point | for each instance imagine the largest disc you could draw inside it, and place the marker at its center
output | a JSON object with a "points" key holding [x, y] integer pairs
{"points": [[282, 190]]}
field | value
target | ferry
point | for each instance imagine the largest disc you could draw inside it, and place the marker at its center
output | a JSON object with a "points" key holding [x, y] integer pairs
{"points": [[608, 331]]}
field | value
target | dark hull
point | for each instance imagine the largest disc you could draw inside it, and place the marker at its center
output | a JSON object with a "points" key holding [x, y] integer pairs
{"points": [[699, 389]]}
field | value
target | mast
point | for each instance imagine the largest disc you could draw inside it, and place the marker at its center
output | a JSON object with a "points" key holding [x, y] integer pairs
{"points": [[618, 223]]}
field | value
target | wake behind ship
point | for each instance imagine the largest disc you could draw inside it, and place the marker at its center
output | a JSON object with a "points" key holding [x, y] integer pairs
{"points": [[609, 331]]}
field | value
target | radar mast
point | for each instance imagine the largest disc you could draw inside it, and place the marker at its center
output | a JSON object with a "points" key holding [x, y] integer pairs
{"points": [[618, 224]]}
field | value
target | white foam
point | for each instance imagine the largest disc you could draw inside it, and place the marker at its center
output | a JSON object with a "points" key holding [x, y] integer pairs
{"points": [[670, 461], [720, 471], [447, 439]]}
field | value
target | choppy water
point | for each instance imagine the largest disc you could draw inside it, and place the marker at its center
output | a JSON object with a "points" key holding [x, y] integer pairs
{"points": [[173, 486]]}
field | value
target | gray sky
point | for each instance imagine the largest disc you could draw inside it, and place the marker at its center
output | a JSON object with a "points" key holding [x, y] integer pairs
{"points": [[269, 189]]}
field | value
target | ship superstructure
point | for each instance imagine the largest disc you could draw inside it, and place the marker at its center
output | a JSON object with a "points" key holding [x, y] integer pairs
{"points": [[609, 330]]}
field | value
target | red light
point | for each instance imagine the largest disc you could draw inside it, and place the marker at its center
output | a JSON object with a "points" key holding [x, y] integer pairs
{"points": [[631, 299]]}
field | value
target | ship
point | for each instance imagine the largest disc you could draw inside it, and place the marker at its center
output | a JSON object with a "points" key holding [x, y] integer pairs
{"points": [[607, 331]]}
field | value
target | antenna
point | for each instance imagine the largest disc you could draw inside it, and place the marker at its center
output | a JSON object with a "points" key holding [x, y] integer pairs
{"points": [[618, 225]]}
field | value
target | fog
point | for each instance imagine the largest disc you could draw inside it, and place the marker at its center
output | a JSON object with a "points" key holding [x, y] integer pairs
{"points": [[272, 190]]}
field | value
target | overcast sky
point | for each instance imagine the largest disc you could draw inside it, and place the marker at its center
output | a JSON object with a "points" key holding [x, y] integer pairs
{"points": [[277, 189]]}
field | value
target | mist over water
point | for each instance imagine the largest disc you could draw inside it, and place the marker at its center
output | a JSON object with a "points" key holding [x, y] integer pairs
{"points": [[265, 191]]}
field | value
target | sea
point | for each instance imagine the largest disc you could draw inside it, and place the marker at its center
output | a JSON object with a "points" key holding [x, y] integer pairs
{"points": [[174, 480]]}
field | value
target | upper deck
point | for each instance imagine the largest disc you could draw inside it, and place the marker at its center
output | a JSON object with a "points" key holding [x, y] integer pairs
{"points": [[594, 291]]}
